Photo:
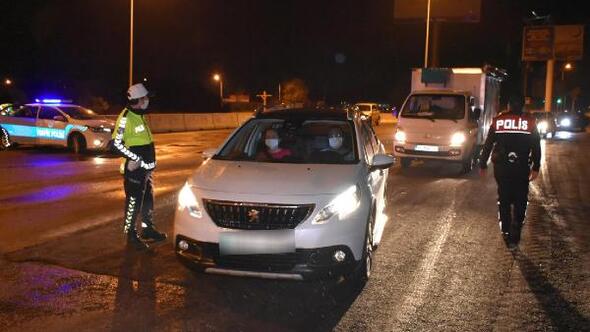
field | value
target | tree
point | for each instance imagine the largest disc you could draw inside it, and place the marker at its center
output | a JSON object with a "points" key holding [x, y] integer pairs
{"points": [[294, 91]]}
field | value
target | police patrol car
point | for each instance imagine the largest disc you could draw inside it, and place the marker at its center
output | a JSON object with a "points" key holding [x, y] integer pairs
{"points": [[57, 123]]}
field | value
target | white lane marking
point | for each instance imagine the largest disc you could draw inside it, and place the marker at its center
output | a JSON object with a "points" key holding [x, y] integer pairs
{"points": [[425, 273]]}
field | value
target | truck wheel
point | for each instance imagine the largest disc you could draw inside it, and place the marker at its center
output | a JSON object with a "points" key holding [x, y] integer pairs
{"points": [[405, 162], [77, 143]]}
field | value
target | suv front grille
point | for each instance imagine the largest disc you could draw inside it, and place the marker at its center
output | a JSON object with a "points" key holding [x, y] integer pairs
{"points": [[256, 216]]}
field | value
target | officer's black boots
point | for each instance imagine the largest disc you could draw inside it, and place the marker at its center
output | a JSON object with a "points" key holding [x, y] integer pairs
{"points": [[134, 241], [150, 233]]}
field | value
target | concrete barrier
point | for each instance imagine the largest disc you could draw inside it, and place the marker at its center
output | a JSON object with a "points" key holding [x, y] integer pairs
{"points": [[175, 122]]}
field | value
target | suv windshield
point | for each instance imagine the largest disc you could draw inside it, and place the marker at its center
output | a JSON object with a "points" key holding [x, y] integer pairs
{"points": [[79, 113], [449, 107], [283, 141]]}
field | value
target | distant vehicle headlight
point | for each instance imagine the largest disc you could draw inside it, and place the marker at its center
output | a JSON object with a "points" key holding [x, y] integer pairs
{"points": [[458, 139], [400, 136], [343, 205], [565, 122], [188, 200], [542, 126]]}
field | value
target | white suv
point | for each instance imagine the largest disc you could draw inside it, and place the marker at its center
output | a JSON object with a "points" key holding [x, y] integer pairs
{"points": [[305, 211], [58, 124]]}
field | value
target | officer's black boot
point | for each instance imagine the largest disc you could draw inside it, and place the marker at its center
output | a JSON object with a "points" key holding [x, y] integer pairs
{"points": [[150, 233], [134, 241]]}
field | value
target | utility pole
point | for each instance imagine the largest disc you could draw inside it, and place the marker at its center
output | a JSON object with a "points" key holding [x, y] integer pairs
{"points": [[549, 85], [264, 96], [427, 34], [131, 46]]}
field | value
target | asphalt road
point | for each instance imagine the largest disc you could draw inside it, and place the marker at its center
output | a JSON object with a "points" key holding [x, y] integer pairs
{"points": [[441, 266]]}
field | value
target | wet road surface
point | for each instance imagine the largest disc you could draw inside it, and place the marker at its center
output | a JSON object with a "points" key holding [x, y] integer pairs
{"points": [[442, 264]]}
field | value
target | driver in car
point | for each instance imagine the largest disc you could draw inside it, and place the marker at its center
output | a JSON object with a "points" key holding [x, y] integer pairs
{"points": [[272, 149]]}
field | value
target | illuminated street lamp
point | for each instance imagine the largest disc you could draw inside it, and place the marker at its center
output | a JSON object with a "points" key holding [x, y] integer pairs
{"points": [[567, 67], [217, 78], [8, 81]]}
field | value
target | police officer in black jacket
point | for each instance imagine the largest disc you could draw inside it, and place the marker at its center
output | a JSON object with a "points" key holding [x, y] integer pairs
{"points": [[514, 143]]}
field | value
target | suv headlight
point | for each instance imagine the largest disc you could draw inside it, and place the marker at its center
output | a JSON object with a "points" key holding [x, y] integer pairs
{"points": [[188, 200], [400, 136], [565, 122], [458, 139], [343, 205]]}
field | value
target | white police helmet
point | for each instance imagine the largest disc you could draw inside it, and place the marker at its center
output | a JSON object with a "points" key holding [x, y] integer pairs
{"points": [[136, 91]]}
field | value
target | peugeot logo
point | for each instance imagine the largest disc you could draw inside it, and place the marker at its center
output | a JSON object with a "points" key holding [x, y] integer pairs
{"points": [[253, 216]]}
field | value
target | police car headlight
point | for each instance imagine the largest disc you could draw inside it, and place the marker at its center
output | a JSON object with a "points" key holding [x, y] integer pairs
{"points": [[542, 126], [400, 136], [566, 122], [343, 205], [188, 200], [458, 139]]}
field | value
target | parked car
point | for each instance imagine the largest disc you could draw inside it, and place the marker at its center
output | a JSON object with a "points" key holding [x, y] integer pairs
{"points": [[302, 213], [571, 121], [371, 111], [57, 124]]}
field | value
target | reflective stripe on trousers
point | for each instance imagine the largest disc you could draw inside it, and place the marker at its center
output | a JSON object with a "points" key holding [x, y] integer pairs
{"points": [[139, 198]]}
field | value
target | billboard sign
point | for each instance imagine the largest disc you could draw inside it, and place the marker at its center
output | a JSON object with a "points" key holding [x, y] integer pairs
{"points": [[558, 42], [444, 11], [568, 42], [537, 43]]}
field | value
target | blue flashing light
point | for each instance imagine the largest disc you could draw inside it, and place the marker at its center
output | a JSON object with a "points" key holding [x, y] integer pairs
{"points": [[51, 101]]}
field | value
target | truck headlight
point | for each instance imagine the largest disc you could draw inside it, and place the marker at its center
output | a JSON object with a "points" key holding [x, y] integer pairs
{"points": [[565, 122], [343, 205], [188, 200], [400, 136], [458, 139], [542, 126]]}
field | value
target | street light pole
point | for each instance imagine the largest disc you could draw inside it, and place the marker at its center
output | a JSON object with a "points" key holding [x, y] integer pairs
{"points": [[218, 78], [131, 46], [427, 34]]}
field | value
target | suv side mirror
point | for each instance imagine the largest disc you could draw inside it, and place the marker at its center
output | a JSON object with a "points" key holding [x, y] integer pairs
{"points": [[381, 161], [60, 118]]}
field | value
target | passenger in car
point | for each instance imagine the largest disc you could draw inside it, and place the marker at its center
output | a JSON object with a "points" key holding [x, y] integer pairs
{"points": [[272, 149], [336, 149]]}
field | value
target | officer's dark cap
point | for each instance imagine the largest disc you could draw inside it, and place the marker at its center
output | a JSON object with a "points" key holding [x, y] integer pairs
{"points": [[516, 102]]}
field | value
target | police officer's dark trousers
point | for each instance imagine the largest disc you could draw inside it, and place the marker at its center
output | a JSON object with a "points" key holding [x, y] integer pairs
{"points": [[139, 198], [513, 193]]}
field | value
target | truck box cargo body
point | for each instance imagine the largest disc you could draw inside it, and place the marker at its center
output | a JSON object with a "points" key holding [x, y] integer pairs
{"points": [[447, 115]]}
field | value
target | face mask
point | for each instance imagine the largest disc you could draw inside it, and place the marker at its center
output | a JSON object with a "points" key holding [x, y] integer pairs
{"points": [[272, 143], [335, 142], [145, 104]]}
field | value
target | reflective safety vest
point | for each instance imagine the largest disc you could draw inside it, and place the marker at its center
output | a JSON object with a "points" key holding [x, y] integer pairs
{"points": [[134, 140]]}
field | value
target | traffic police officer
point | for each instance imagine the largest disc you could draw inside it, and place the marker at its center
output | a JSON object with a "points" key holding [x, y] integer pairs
{"points": [[514, 143], [133, 140]]}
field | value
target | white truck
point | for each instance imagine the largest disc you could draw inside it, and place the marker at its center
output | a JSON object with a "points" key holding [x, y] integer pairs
{"points": [[447, 115]]}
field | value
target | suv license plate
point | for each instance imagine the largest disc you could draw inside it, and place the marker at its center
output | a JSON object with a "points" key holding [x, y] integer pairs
{"points": [[427, 148]]}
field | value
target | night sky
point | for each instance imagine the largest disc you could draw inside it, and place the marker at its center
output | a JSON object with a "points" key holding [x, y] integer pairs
{"points": [[343, 50]]}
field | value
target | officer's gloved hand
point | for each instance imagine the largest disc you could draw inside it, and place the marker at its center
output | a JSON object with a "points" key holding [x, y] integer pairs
{"points": [[133, 165]]}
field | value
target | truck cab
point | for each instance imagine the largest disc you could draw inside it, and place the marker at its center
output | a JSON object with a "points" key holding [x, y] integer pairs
{"points": [[446, 117]]}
